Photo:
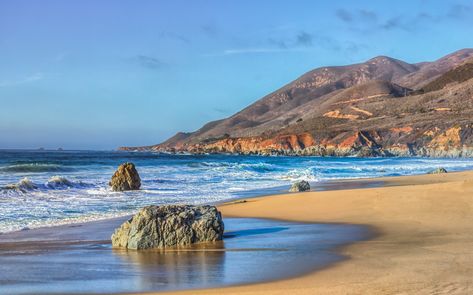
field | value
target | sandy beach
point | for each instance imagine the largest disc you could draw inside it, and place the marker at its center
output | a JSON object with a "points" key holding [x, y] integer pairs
{"points": [[423, 244]]}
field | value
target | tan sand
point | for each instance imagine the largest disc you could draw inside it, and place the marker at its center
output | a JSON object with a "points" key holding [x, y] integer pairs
{"points": [[424, 243]]}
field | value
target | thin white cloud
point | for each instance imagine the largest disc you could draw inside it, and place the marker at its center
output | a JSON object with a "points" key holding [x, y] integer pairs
{"points": [[34, 77], [28, 79], [235, 51], [251, 50], [60, 57]]}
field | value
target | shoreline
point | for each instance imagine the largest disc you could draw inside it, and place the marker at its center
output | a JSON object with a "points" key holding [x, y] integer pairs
{"points": [[325, 185], [69, 238], [322, 207], [424, 232]]}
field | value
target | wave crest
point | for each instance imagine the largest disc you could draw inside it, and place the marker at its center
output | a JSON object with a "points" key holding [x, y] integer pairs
{"points": [[33, 167], [260, 167], [24, 184], [56, 182], [300, 174]]}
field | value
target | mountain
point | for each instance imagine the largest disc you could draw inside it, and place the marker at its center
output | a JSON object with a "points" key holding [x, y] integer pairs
{"points": [[429, 71], [381, 107]]}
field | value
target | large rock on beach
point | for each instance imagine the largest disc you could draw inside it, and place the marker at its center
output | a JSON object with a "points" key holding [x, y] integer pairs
{"points": [[125, 178], [440, 170], [300, 186], [169, 226]]}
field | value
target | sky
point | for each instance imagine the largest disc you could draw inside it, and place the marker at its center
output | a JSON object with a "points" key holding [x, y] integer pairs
{"points": [[87, 74]]}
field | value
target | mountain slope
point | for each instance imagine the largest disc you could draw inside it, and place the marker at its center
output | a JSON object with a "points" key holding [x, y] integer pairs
{"points": [[309, 87], [364, 109], [459, 74], [429, 71]]}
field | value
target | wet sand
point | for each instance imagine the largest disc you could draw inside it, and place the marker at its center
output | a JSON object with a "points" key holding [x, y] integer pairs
{"points": [[59, 259], [423, 245], [78, 258]]}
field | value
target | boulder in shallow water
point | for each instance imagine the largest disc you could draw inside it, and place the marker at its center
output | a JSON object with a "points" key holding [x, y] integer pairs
{"points": [[440, 170], [125, 178], [300, 186], [168, 226]]}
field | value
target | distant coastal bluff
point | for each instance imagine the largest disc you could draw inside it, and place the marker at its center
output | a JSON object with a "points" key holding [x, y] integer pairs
{"points": [[382, 107]]}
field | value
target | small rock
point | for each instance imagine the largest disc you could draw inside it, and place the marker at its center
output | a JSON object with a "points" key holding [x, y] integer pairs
{"points": [[168, 226], [125, 178], [440, 170], [300, 186]]}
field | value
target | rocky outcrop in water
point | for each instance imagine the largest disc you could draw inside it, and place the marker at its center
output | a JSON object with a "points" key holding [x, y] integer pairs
{"points": [[169, 226], [125, 178], [440, 170], [300, 186]]}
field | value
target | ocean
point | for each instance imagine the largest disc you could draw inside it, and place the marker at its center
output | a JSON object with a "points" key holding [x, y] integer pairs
{"points": [[45, 188]]}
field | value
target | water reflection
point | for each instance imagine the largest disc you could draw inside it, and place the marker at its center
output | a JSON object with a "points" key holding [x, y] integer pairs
{"points": [[178, 267], [253, 231]]}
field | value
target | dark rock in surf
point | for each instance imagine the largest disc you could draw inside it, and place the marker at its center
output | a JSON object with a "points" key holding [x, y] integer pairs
{"points": [[440, 170], [125, 178], [300, 186]]}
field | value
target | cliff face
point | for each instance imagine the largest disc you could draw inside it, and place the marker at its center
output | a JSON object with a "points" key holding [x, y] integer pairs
{"points": [[432, 142], [383, 107]]}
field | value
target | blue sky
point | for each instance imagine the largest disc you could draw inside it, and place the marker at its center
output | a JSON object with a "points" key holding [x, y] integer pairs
{"points": [[102, 74]]}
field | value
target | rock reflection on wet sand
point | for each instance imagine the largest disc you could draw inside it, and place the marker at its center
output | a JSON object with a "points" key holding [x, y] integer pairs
{"points": [[178, 267]]}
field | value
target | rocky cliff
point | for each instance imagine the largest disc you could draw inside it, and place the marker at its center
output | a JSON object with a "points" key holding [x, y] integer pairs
{"points": [[383, 107]]}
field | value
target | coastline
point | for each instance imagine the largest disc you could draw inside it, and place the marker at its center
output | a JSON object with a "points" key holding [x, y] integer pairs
{"points": [[424, 232], [378, 204], [326, 185]]}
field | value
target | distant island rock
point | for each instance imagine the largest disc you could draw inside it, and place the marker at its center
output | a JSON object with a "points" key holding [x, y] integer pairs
{"points": [[381, 107], [169, 226], [125, 178]]}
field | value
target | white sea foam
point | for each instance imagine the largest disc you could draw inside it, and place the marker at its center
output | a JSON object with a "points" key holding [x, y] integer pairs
{"points": [[58, 182], [23, 185], [300, 174]]}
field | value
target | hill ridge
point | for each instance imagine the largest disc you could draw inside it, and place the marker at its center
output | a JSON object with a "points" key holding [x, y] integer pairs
{"points": [[327, 110]]}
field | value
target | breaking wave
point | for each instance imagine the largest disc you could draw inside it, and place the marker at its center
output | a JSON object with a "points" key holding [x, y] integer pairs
{"points": [[55, 183], [300, 174], [34, 167], [257, 167], [24, 184]]}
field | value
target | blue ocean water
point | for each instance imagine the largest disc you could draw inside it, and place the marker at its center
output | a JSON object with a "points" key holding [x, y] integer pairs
{"points": [[59, 187]]}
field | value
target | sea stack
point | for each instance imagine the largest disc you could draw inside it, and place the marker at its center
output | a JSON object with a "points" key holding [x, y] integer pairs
{"points": [[169, 226], [125, 178]]}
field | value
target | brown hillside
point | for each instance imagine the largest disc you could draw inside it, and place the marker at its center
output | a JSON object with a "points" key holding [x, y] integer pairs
{"points": [[363, 109]]}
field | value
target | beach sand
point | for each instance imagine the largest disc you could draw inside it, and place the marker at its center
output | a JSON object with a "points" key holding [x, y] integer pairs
{"points": [[423, 245]]}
